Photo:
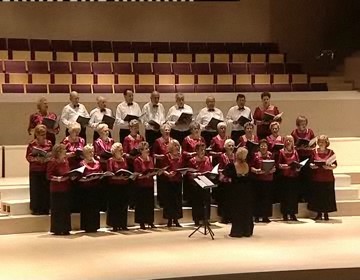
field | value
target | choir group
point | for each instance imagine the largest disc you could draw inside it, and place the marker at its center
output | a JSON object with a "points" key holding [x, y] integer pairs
{"points": [[257, 166]]}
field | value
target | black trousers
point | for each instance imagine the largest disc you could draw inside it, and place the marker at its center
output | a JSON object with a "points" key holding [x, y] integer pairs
{"points": [[90, 209], [123, 132], [151, 136], [263, 198], [60, 212], [144, 206], [289, 196], [179, 135], [236, 134], [118, 203], [82, 133], [39, 192], [172, 200], [208, 135]]}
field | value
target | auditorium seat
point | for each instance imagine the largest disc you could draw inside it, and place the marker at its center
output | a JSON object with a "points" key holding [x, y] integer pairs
{"points": [[281, 87], [200, 68], [81, 46], [160, 47], [4, 55], [224, 83], [205, 83], [142, 68], [3, 44], [82, 79], [122, 68], [59, 88], [18, 44], [36, 88], [179, 47], [21, 55], [165, 79], [238, 68], [181, 68], [64, 56], [102, 46], [198, 47], [257, 58], [165, 58], [126, 80], [318, 87], [235, 47], [239, 58], [17, 78], [243, 82], [37, 67], [61, 46], [299, 79], [13, 88], [219, 68], [40, 78], [126, 57], [145, 83], [14, 66], [141, 47], [281, 82], [221, 58], [81, 88], [121, 88], [254, 47], [122, 47], [144, 88], [257, 68], [57, 67], [102, 89], [165, 88], [216, 48], [205, 88], [2, 78], [146, 57], [42, 55], [202, 57], [162, 68], [81, 67], [262, 82], [104, 79], [275, 68], [184, 88], [62, 78], [84, 56], [101, 68], [184, 57], [186, 79], [244, 88], [40, 45], [276, 58], [105, 57], [270, 47], [300, 87]]}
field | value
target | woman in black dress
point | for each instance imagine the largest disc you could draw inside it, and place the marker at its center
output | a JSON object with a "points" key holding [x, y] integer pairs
{"points": [[241, 196]]}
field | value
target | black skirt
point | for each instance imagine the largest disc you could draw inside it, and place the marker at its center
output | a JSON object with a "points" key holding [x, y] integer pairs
{"points": [[90, 209], [322, 197], [75, 197], [60, 212], [172, 200], [144, 205], [289, 195], [118, 203], [39, 192], [263, 198], [161, 186], [241, 207]]}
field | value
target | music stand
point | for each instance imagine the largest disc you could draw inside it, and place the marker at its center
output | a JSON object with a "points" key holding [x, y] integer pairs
{"points": [[206, 223]]}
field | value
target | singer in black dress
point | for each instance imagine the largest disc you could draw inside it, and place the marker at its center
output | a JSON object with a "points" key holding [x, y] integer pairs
{"points": [[241, 196]]}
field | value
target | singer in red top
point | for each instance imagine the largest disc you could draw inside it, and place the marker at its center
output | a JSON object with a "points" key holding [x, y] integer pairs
{"points": [[222, 192], [263, 183], [102, 145], [289, 189], [118, 190], [90, 205], [144, 202], [39, 185], [249, 136], [173, 184], [201, 163], [57, 170], [322, 194], [263, 129], [131, 143], [38, 118], [217, 143]]}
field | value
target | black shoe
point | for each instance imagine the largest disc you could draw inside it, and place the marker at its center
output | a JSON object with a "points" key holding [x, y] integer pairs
{"points": [[256, 219], [266, 220], [326, 216], [65, 233], [318, 217], [197, 223], [285, 218], [124, 228], [176, 222], [169, 223], [115, 229], [142, 226], [293, 218], [152, 226]]}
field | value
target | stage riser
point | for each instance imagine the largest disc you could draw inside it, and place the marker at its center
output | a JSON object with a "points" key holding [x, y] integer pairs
{"points": [[10, 193], [342, 180]]}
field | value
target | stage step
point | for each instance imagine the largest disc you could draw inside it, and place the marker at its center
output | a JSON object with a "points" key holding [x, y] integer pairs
{"points": [[342, 180], [347, 193], [14, 192], [15, 207]]}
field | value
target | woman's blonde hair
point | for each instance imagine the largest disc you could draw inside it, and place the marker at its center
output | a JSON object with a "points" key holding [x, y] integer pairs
{"points": [[229, 142], [193, 125], [74, 126], [101, 127], [57, 149], [133, 123], [143, 145], [325, 138], [164, 126], [173, 143], [221, 124], [241, 154], [88, 148], [289, 137], [40, 101], [40, 129], [274, 123], [115, 147]]}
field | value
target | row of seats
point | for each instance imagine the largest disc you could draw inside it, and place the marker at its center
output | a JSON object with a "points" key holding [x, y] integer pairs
{"points": [[135, 47], [129, 79], [57, 67], [103, 89], [142, 57]]}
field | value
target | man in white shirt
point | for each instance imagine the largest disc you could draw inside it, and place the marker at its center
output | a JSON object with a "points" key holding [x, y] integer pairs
{"points": [[125, 108], [97, 114], [235, 113], [204, 117], [153, 111], [72, 111], [178, 131]]}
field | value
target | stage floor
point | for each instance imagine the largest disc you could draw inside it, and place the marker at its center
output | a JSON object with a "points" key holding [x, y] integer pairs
{"points": [[164, 253]]}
